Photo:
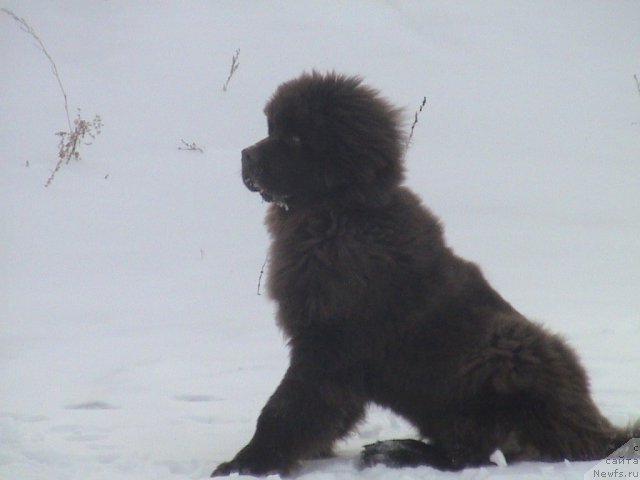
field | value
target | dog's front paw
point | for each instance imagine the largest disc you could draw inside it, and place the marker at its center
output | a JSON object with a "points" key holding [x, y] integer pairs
{"points": [[224, 469], [245, 466]]}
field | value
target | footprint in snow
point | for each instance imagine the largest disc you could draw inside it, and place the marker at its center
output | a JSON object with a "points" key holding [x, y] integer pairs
{"points": [[92, 406], [195, 398]]}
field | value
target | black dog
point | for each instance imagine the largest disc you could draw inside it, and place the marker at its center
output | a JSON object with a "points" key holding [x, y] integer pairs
{"points": [[378, 309]]}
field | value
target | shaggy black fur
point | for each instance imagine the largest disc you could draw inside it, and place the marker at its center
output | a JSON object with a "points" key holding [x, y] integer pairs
{"points": [[377, 308]]}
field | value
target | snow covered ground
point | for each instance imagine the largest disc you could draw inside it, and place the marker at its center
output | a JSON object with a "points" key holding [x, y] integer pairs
{"points": [[132, 342]]}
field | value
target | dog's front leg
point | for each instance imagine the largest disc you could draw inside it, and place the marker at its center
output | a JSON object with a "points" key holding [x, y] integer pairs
{"points": [[303, 418]]}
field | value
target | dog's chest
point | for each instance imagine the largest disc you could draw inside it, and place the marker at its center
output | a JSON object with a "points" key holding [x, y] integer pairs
{"points": [[315, 264]]}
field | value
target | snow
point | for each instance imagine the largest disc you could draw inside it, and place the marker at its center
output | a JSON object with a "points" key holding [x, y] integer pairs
{"points": [[498, 458], [132, 342]]}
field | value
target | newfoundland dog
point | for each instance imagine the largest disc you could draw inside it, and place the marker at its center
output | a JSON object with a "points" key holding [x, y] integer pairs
{"points": [[378, 309]]}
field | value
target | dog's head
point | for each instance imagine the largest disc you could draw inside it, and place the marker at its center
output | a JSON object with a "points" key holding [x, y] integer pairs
{"points": [[328, 135]]}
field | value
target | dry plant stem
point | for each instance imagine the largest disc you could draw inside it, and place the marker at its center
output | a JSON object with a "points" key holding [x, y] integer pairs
{"points": [[635, 77], [234, 66], [70, 141], [53, 172], [415, 122], [192, 147], [266, 259], [80, 128], [25, 27]]}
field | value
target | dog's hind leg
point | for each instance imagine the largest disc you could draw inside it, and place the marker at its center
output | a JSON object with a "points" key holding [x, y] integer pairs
{"points": [[404, 453]]}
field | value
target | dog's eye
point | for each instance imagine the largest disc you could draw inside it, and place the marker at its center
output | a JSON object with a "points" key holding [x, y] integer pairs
{"points": [[295, 139]]}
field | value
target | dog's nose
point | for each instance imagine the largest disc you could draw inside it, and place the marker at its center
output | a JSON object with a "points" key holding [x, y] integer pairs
{"points": [[249, 157]]}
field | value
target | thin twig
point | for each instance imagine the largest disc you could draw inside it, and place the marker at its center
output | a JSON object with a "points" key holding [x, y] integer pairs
{"points": [[635, 77], [192, 147], [234, 66], [415, 122], [24, 26], [266, 259]]}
